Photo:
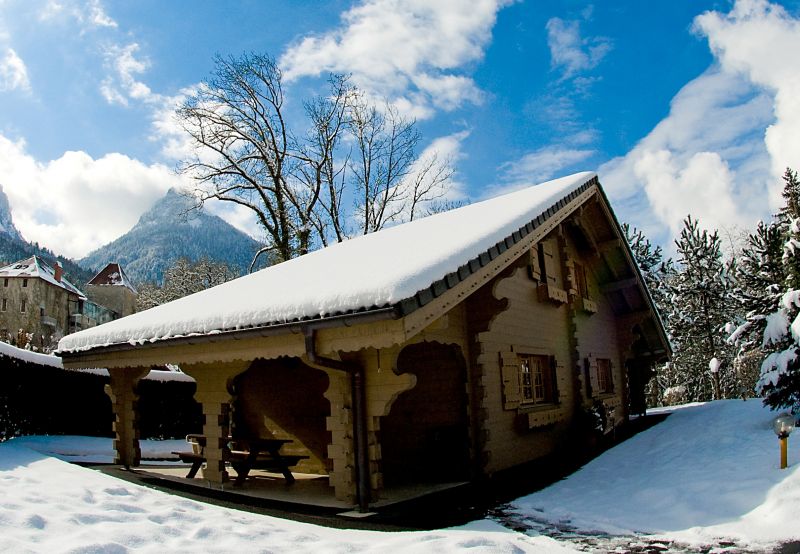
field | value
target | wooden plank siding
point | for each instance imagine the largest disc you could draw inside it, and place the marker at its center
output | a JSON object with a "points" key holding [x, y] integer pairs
{"points": [[525, 322]]}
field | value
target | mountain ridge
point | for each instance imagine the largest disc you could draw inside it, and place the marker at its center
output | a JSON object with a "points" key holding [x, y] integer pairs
{"points": [[170, 230]]}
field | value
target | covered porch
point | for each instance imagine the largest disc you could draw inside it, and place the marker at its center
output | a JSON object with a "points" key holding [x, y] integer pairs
{"points": [[334, 414]]}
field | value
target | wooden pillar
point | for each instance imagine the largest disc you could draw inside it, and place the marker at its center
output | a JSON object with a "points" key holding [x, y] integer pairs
{"points": [[122, 391], [214, 395]]}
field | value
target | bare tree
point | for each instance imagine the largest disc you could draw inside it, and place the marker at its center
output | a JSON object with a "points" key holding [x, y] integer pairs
{"points": [[352, 162]]}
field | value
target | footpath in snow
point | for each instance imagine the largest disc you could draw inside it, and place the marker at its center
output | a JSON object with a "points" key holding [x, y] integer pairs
{"points": [[709, 474]]}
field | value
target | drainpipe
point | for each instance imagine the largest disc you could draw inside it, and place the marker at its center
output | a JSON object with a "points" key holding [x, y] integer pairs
{"points": [[358, 391]]}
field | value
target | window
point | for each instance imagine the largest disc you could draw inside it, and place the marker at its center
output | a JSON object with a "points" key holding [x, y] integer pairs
{"points": [[23, 306], [605, 381], [527, 380], [24, 283], [41, 311], [599, 376], [536, 379], [5, 281], [5, 304]]}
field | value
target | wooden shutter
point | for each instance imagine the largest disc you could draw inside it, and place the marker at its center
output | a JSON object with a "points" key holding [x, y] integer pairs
{"points": [[553, 368], [547, 252], [590, 375], [509, 371], [534, 265]]}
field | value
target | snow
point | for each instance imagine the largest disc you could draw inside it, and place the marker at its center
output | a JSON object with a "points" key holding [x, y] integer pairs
{"points": [[173, 373], [34, 267], [706, 473], [713, 365], [709, 473], [373, 270], [28, 356], [49, 505]]}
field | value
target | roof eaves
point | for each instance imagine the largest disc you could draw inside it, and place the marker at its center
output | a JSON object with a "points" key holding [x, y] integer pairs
{"points": [[449, 281]]}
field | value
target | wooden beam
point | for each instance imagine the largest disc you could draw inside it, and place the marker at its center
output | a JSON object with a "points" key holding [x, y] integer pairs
{"points": [[617, 285]]}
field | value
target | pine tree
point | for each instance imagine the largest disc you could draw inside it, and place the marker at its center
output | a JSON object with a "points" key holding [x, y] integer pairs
{"points": [[760, 274], [780, 370], [698, 313], [655, 270], [779, 380]]}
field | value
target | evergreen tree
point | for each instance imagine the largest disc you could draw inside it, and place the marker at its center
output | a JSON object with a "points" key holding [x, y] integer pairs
{"points": [[779, 380], [699, 309], [760, 274], [780, 371], [655, 270]]}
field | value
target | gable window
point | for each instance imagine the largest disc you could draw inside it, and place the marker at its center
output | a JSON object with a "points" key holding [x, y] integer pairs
{"points": [[24, 282], [23, 306], [528, 380]]}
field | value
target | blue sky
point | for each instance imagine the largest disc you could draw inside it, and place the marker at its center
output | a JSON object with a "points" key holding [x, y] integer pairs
{"points": [[682, 106]]}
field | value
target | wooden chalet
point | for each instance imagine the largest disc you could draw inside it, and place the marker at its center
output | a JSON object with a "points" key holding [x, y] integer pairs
{"points": [[444, 349]]}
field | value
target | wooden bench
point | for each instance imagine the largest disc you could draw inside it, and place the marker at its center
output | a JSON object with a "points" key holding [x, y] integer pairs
{"points": [[244, 454]]}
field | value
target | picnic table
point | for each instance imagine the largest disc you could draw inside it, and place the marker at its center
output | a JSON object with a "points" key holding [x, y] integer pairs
{"points": [[244, 454]]}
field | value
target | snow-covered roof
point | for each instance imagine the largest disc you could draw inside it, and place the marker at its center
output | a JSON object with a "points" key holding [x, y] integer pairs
{"points": [[36, 267], [112, 275], [373, 271]]}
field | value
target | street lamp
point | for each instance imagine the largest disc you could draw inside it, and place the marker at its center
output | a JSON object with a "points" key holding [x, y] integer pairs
{"points": [[783, 426]]}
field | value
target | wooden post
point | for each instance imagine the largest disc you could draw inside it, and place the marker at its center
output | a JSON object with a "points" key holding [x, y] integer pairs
{"points": [[214, 395], [784, 455], [124, 398]]}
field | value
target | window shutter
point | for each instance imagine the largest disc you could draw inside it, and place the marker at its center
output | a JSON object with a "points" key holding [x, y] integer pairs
{"points": [[509, 371], [554, 380], [534, 264], [593, 384], [547, 252]]}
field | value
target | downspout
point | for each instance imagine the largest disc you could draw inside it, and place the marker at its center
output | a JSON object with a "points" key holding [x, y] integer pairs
{"points": [[358, 392]]}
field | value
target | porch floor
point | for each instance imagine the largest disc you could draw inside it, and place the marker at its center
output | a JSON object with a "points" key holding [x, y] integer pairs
{"points": [[307, 490]]}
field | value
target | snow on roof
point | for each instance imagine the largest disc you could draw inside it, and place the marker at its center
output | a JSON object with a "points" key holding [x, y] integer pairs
{"points": [[112, 275], [371, 271], [36, 267], [170, 373]]}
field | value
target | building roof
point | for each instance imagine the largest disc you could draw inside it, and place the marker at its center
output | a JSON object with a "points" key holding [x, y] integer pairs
{"points": [[112, 275], [35, 267], [399, 269]]}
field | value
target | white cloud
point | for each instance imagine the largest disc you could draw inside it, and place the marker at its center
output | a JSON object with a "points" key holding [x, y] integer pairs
{"points": [[409, 51], [730, 133], [13, 73], [707, 158], [569, 51], [701, 186], [75, 203], [123, 84], [543, 164], [89, 14], [759, 41]]}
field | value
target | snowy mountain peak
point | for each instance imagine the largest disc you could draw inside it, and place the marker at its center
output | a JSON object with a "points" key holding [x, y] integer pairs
{"points": [[170, 230], [6, 221]]}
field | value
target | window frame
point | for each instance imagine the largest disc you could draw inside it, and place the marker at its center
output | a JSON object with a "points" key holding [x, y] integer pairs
{"points": [[536, 380], [605, 376]]}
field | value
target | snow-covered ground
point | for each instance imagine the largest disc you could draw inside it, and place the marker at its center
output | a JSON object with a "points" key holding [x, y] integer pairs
{"points": [[708, 475]]}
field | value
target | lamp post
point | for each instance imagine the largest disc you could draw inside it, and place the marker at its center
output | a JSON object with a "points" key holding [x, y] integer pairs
{"points": [[783, 426]]}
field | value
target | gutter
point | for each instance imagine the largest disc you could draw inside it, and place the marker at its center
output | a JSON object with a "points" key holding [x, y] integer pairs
{"points": [[359, 401], [296, 327]]}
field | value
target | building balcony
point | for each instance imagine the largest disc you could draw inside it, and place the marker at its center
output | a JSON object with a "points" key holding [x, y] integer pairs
{"points": [[49, 321]]}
